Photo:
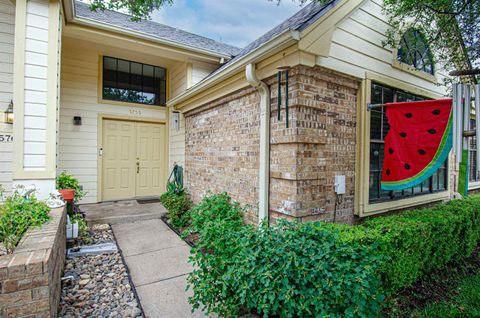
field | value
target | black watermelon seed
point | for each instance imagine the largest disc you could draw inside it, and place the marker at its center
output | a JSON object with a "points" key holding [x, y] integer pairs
{"points": [[403, 134], [390, 150], [436, 112], [408, 115], [421, 151], [387, 172], [432, 131], [407, 166]]}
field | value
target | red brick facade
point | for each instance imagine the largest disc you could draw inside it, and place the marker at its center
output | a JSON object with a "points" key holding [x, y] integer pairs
{"points": [[222, 148]]}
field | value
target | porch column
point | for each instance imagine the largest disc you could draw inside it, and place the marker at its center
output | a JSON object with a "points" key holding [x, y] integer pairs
{"points": [[36, 93]]}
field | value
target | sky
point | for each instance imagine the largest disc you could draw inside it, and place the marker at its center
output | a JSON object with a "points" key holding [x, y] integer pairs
{"points": [[236, 22]]}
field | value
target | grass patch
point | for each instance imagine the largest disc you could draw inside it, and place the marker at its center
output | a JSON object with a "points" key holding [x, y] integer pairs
{"points": [[447, 292], [465, 303]]}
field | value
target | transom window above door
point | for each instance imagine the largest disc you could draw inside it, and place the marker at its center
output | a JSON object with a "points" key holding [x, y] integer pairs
{"points": [[133, 82]]}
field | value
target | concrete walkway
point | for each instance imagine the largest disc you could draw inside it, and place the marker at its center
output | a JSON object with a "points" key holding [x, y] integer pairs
{"points": [[157, 260]]}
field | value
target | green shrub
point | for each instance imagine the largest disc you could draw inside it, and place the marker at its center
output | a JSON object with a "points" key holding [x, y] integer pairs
{"points": [[67, 181], [417, 242], [289, 270], [320, 269], [178, 205], [17, 215], [306, 270], [218, 224]]}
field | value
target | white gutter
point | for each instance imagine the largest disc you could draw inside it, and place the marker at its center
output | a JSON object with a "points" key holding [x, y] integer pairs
{"points": [[278, 43], [264, 169]]}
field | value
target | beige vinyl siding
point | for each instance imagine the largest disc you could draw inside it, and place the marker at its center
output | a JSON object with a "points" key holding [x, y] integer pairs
{"points": [[78, 152], [36, 63], [7, 29], [356, 48], [201, 70], [177, 142], [178, 79]]}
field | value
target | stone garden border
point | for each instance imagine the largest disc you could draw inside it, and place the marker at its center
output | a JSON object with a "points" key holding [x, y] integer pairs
{"points": [[30, 277]]}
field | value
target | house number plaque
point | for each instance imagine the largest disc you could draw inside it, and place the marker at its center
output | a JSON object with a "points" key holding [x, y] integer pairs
{"points": [[4, 138], [135, 112]]}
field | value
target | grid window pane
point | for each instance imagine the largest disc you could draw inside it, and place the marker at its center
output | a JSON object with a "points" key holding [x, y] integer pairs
{"points": [[379, 128], [133, 82]]}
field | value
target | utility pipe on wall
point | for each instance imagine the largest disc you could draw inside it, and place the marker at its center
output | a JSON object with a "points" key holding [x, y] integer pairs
{"points": [[264, 169]]}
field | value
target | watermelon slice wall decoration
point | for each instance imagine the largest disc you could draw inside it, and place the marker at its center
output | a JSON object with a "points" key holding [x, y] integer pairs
{"points": [[418, 142]]}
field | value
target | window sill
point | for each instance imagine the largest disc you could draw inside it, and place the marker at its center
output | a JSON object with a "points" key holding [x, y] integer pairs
{"points": [[474, 185], [408, 69], [127, 104], [377, 208]]}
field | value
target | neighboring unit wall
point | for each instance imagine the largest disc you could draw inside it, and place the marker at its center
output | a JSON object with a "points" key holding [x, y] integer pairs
{"points": [[78, 152], [7, 30]]}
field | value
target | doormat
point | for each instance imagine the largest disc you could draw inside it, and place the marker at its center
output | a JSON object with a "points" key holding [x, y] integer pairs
{"points": [[145, 201]]}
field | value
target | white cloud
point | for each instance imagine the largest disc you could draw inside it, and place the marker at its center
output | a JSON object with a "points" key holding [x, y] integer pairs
{"points": [[236, 22]]}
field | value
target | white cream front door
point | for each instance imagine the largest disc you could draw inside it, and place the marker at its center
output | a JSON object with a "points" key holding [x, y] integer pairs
{"points": [[133, 159]]}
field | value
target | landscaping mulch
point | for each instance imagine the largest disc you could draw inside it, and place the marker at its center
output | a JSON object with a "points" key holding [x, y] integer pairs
{"points": [[101, 285], [441, 285]]}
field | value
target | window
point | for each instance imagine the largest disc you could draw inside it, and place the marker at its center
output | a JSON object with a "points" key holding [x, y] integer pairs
{"points": [[133, 82], [414, 51], [473, 174], [378, 130]]}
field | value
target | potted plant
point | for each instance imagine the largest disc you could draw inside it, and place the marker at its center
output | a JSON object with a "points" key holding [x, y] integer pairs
{"points": [[69, 187], [72, 192]]}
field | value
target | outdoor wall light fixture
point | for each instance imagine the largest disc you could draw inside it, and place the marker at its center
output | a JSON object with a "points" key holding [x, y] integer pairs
{"points": [[9, 113], [77, 121], [176, 120]]}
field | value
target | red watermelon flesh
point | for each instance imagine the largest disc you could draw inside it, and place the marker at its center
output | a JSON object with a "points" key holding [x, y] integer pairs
{"points": [[418, 142]]}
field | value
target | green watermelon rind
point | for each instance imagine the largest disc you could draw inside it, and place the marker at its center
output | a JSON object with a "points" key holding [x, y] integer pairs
{"points": [[437, 161]]}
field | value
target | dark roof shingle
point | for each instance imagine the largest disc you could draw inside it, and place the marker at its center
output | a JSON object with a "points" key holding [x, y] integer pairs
{"points": [[155, 29]]}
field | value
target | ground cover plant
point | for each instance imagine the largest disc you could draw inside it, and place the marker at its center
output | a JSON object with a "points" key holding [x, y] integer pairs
{"points": [[17, 215]]}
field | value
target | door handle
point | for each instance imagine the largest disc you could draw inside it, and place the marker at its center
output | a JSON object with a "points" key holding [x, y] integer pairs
{"points": [[138, 167]]}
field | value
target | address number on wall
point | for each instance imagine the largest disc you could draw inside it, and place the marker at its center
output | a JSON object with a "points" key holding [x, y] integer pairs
{"points": [[136, 112], [6, 138]]}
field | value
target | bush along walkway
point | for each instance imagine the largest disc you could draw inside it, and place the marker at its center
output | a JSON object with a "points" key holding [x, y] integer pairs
{"points": [[100, 285]]}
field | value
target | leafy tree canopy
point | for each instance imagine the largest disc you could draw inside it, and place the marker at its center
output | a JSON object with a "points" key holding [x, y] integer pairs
{"points": [[451, 27]]}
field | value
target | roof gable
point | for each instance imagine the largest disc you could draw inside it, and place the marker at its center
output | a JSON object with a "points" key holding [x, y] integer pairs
{"points": [[154, 29]]}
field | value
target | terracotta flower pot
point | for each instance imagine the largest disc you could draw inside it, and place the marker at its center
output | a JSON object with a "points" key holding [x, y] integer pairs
{"points": [[67, 194]]}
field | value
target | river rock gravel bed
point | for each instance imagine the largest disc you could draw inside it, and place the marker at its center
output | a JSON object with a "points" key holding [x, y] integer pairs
{"points": [[100, 286]]}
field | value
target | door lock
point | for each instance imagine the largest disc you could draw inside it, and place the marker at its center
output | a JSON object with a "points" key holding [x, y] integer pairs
{"points": [[138, 166]]}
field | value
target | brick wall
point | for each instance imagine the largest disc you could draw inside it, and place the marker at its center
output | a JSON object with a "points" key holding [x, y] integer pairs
{"points": [[222, 146], [30, 277]]}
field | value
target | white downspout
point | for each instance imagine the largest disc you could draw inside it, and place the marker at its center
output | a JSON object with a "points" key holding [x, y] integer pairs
{"points": [[264, 169]]}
